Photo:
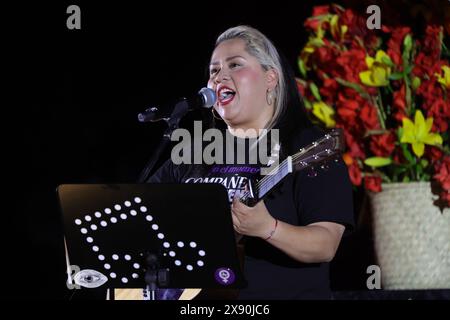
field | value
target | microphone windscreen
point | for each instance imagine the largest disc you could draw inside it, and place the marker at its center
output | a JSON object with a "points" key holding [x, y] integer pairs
{"points": [[209, 97]]}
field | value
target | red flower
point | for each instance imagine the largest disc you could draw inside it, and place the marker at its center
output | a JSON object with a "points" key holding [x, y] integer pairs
{"points": [[398, 156], [423, 65], [399, 103], [427, 59], [382, 145], [300, 88], [354, 146], [443, 178], [443, 173], [313, 23], [440, 111], [353, 169], [431, 42], [355, 174], [433, 153], [329, 90], [325, 58], [351, 63], [430, 91], [395, 44], [347, 110], [357, 29], [369, 117], [372, 183], [320, 10]]}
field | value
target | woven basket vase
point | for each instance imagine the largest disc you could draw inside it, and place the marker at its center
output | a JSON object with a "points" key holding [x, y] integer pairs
{"points": [[412, 237]]}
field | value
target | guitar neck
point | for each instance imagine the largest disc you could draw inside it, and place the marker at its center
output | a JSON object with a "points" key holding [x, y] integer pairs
{"points": [[260, 189], [314, 154], [275, 176]]}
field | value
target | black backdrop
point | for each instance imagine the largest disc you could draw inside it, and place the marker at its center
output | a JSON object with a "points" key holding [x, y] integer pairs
{"points": [[75, 113]]}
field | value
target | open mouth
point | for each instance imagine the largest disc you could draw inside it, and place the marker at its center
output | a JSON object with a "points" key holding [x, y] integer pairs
{"points": [[225, 95]]}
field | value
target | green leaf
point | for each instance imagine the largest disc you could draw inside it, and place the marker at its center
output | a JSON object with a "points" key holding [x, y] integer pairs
{"points": [[408, 69], [378, 161], [387, 60], [396, 76], [407, 43], [315, 91], [307, 103], [406, 179], [399, 133], [424, 163], [407, 154], [399, 170], [415, 83], [302, 67], [354, 86], [419, 171], [409, 110], [316, 42]]}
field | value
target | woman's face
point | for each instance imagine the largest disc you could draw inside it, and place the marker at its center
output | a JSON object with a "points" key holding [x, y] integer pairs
{"points": [[241, 85]]}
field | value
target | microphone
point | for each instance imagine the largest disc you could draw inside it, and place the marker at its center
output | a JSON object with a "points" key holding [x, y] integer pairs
{"points": [[205, 98]]}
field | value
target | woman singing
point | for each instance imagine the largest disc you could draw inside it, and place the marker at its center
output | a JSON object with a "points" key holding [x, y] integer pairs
{"points": [[291, 236]]}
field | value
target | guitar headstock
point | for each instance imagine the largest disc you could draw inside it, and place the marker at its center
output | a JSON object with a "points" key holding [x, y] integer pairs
{"points": [[318, 152]]}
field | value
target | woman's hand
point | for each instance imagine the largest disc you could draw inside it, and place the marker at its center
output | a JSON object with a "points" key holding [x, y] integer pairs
{"points": [[251, 221]]}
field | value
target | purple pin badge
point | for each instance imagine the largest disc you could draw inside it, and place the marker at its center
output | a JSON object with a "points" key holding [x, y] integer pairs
{"points": [[224, 276]]}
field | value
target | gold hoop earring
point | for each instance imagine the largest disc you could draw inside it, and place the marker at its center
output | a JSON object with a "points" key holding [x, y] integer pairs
{"points": [[214, 115], [269, 97]]}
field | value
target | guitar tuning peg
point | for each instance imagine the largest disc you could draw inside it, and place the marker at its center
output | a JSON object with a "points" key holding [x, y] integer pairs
{"points": [[312, 172], [324, 167]]}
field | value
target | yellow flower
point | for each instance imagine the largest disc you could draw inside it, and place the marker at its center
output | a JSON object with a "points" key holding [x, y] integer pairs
{"points": [[314, 41], [336, 32], [379, 70], [445, 80], [310, 47], [418, 133], [324, 113]]}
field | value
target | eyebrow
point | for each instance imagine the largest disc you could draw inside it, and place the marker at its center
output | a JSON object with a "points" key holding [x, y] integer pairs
{"points": [[227, 59]]}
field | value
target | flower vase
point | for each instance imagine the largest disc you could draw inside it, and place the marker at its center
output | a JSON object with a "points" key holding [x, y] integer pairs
{"points": [[411, 237]]}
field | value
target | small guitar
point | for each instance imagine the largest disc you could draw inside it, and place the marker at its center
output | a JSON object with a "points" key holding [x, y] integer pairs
{"points": [[314, 155]]}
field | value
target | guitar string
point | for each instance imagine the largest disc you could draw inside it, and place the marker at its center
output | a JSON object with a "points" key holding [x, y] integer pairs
{"points": [[297, 155], [266, 180], [294, 157]]}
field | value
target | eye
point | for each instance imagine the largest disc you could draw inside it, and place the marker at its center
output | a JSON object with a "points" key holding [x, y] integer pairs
{"points": [[89, 278], [234, 65], [213, 71]]}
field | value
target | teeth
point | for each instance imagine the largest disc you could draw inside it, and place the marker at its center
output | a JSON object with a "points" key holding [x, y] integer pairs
{"points": [[226, 93]]}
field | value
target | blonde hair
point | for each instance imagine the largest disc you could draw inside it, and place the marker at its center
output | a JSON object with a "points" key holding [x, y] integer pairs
{"points": [[259, 46]]}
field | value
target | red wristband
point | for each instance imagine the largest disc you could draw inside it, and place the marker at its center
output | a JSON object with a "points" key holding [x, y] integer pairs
{"points": [[273, 230]]}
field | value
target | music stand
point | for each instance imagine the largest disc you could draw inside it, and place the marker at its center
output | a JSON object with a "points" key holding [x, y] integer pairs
{"points": [[149, 236]]}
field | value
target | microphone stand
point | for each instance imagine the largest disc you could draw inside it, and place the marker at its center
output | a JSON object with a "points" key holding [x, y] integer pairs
{"points": [[173, 122]]}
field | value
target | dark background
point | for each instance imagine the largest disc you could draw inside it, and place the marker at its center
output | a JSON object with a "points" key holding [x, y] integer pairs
{"points": [[75, 113]]}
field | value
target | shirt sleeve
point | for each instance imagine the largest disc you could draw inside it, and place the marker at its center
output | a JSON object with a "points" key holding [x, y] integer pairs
{"points": [[326, 196]]}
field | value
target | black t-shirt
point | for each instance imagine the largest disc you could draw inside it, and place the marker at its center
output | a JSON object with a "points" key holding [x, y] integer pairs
{"points": [[300, 199]]}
